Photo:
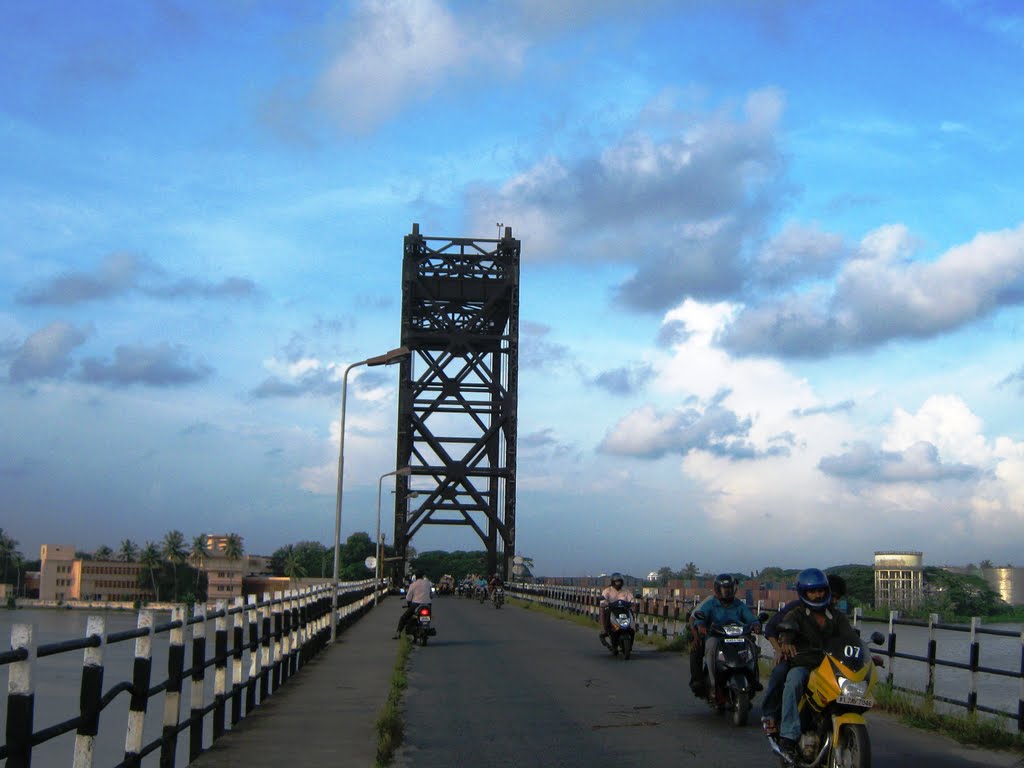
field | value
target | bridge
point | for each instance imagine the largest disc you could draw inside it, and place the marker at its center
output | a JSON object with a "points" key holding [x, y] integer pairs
{"points": [[494, 688]]}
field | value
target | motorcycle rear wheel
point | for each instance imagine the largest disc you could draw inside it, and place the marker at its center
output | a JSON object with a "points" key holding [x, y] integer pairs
{"points": [[853, 749], [423, 639], [741, 710]]}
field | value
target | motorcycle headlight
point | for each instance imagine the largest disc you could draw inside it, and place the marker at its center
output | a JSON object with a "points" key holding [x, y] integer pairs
{"points": [[850, 688], [732, 630]]}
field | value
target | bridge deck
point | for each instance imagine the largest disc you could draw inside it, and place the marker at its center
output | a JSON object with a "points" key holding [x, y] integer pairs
{"points": [[326, 715]]}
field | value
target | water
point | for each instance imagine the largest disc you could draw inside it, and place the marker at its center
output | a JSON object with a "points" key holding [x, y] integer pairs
{"points": [[58, 680], [997, 652]]}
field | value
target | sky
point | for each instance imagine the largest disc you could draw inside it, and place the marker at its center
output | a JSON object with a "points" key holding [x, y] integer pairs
{"points": [[771, 284]]}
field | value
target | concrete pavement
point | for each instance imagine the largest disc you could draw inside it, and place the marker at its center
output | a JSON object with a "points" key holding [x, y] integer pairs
{"points": [[326, 714]]}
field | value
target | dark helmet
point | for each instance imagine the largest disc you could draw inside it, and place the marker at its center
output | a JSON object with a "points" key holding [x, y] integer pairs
{"points": [[813, 579], [837, 585], [725, 586], [617, 580]]}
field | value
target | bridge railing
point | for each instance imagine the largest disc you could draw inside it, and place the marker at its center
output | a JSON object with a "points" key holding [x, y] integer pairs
{"points": [[667, 618], [975, 632], [280, 633]]}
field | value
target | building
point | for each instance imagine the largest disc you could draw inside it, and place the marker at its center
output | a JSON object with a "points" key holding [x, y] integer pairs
{"points": [[225, 576], [63, 577], [899, 580]]}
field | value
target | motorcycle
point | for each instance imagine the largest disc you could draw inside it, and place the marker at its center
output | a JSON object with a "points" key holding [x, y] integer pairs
{"points": [[418, 625], [833, 731], [730, 668], [481, 593], [498, 597], [622, 623]]}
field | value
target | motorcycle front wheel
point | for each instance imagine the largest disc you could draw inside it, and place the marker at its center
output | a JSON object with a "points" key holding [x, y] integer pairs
{"points": [[853, 750], [627, 647], [741, 708]]}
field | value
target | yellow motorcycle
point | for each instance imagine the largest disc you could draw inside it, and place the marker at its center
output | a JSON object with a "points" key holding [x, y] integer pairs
{"points": [[833, 732]]}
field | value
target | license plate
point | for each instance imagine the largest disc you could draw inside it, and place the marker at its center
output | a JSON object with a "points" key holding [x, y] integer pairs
{"points": [[735, 640], [424, 619], [856, 701]]}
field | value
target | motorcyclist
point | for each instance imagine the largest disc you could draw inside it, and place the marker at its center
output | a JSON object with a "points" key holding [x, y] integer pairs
{"points": [[720, 608], [419, 593], [771, 707], [813, 622], [614, 591], [494, 584]]}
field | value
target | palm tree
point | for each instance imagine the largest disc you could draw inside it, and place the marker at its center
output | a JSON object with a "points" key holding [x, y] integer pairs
{"points": [[197, 554], [8, 548], [173, 551], [103, 553], [233, 547], [128, 551], [293, 567], [690, 571], [150, 557]]}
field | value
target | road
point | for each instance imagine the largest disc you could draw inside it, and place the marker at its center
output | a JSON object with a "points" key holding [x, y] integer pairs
{"points": [[514, 687]]}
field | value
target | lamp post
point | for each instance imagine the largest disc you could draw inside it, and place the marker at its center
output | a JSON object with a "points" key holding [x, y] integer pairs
{"points": [[387, 358], [404, 472]]}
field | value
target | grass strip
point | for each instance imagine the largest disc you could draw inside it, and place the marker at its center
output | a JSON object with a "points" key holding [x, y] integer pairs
{"points": [[390, 729], [918, 711]]}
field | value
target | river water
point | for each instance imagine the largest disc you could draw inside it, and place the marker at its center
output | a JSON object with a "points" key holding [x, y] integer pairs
{"points": [[57, 680], [994, 691]]}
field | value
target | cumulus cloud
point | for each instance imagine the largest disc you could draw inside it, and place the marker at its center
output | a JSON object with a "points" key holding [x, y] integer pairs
{"points": [[625, 380], [46, 354], [679, 209], [845, 405], [160, 366], [917, 464], [396, 52], [648, 433], [122, 273], [882, 295]]}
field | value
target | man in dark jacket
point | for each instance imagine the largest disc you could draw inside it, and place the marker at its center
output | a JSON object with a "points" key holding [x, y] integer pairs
{"points": [[813, 623]]}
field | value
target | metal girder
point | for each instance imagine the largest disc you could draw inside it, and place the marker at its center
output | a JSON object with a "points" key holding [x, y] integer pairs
{"points": [[458, 391]]}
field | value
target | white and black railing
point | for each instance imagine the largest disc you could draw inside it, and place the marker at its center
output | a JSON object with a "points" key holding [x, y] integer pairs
{"points": [[667, 618], [284, 632], [974, 632]]}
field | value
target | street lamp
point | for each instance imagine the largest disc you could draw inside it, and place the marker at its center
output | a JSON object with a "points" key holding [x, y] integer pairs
{"points": [[404, 472], [394, 356]]}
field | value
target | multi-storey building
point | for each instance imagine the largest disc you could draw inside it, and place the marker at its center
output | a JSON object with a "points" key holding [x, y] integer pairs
{"points": [[899, 580], [62, 576]]}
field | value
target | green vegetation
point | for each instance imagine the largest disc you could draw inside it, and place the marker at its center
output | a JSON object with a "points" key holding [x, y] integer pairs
{"points": [[436, 563], [389, 723], [919, 712]]}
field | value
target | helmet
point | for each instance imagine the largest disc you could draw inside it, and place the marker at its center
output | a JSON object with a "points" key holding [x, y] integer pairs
{"points": [[813, 579], [725, 586], [617, 580]]}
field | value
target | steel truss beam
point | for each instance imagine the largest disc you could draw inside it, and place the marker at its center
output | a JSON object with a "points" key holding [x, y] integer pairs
{"points": [[458, 392]]}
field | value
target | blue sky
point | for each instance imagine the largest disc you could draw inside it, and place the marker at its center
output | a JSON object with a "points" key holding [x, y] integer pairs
{"points": [[771, 286]]}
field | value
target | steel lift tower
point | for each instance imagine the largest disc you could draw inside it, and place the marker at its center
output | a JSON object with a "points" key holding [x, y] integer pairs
{"points": [[458, 391]]}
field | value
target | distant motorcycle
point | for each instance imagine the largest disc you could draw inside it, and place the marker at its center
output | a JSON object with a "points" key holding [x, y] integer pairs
{"points": [[498, 598], [730, 668], [481, 593], [418, 626], [622, 623]]}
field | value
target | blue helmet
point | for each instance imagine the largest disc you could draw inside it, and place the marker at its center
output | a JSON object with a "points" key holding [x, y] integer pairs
{"points": [[813, 579]]}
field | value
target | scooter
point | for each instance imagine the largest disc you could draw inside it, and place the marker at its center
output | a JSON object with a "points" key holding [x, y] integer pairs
{"points": [[418, 625], [730, 668], [622, 623], [833, 731], [498, 597]]}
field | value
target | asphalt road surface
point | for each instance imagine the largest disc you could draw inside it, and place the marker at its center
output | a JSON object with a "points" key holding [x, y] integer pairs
{"points": [[514, 687]]}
